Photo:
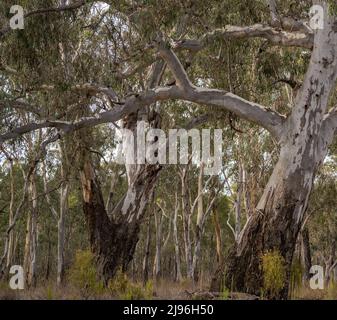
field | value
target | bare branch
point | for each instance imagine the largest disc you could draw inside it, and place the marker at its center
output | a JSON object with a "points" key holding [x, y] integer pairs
{"points": [[292, 25], [230, 226], [270, 120], [247, 110], [185, 90], [175, 67], [73, 6], [18, 132], [286, 23], [87, 88], [132, 104], [273, 35]]}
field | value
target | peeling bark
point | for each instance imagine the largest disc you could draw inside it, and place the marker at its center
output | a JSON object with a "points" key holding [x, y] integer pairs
{"points": [[279, 214]]}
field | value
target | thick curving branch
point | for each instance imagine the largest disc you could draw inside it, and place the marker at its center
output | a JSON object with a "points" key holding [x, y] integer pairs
{"points": [[87, 88], [175, 66], [132, 104], [184, 90], [274, 35], [253, 112], [247, 110]]}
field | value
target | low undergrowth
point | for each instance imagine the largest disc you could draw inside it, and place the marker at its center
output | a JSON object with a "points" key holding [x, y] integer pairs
{"points": [[82, 283]]}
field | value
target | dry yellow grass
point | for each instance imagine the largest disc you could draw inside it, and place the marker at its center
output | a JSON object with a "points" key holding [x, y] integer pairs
{"points": [[163, 289]]}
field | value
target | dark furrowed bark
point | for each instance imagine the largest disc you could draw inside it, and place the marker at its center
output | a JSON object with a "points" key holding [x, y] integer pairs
{"points": [[114, 235], [113, 241]]}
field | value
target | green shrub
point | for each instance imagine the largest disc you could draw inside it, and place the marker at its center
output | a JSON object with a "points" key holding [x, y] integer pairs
{"points": [[50, 293], [124, 289], [225, 294], [83, 274], [274, 273], [148, 290]]}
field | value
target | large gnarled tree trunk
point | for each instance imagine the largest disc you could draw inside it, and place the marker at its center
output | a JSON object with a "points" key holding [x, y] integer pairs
{"points": [[114, 233], [113, 239], [279, 214]]}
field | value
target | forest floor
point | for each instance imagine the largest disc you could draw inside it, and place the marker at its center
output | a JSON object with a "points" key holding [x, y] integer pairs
{"points": [[165, 290]]}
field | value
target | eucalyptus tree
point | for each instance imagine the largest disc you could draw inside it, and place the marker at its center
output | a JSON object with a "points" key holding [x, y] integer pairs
{"points": [[321, 225], [112, 54]]}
